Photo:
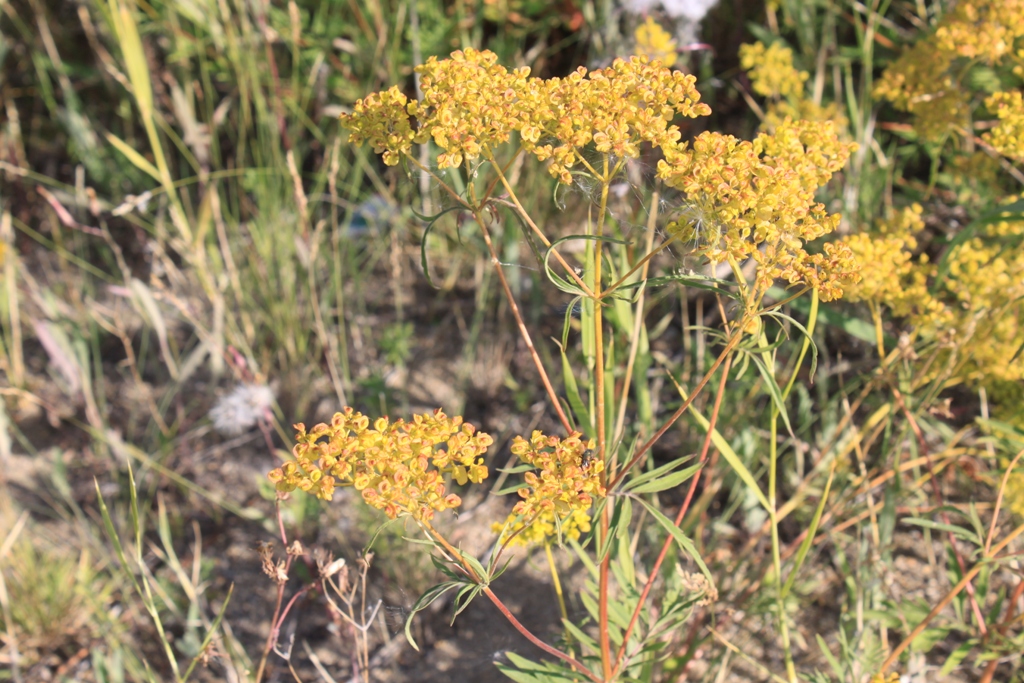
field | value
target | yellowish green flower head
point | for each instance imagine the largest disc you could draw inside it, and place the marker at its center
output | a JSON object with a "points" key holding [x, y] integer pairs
{"points": [[771, 70], [976, 308], [756, 200], [891, 275], [983, 30], [396, 466], [929, 79], [1014, 495], [886, 678], [471, 106], [1007, 137], [985, 294], [804, 109], [654, 42], [557, 493]]}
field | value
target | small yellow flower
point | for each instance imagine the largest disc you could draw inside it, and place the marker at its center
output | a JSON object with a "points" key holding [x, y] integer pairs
{"points": [[890, 275], [654, 42], [382, 119], [757, 200], [472, 105], [394, 465], [771, 70], [1008, 136], [927, 79], [1014, 494], [557, 493], [883, 678]]}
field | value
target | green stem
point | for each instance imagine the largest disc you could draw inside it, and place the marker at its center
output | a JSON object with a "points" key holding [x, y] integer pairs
{"points": [[876, 316], [558, 589], [773, 456], [603, 628]]}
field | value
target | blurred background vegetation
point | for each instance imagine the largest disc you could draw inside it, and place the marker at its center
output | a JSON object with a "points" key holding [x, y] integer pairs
{"points": [[194, 258]]}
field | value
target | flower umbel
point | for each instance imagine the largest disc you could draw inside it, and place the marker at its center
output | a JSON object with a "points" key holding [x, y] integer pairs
{"points": [[1008, 137], [771, 70], [930, 79], [394, 465], [382, 119], [759, 198], [558, 493], [471, 105], [654, 42]]}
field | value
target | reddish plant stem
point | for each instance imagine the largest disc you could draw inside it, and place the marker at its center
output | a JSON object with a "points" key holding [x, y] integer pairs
{"points": [[577, 666], [679, 516], [953, 592], [287, 608], [524, 333], [274, 622], [937, 490], [730, 345], [1011, 612], [456, 556]]}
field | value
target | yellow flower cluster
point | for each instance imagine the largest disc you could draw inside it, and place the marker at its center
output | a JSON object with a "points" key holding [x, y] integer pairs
{"points": [[1014, 495], [979, 304], [983, 30], [985, 287], [804, 109], [771, 70], [654, 42], [394, 465], [927, 79], [773, 75], [890, 275], [616, 109], [883, 678], [558, 492], [382, 119], [1008, 137], [471, 105], [756, 200]]}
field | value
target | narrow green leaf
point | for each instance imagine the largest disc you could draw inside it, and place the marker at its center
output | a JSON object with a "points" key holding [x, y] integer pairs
{"points": [[956, 657], [523, 670], [584, 558], [728, 453], [108, 525], [511, 488], [805, 546], [773, 389], [209, 634], [572, 391], [832, 661], [669, 481], [710, 284], [623, 516], [462, 602], [137, 159], [425, 601], [957, 531], [475, 565], [581, 636], [423, 243], [565, 284], [655, 473], [684, 543]]}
